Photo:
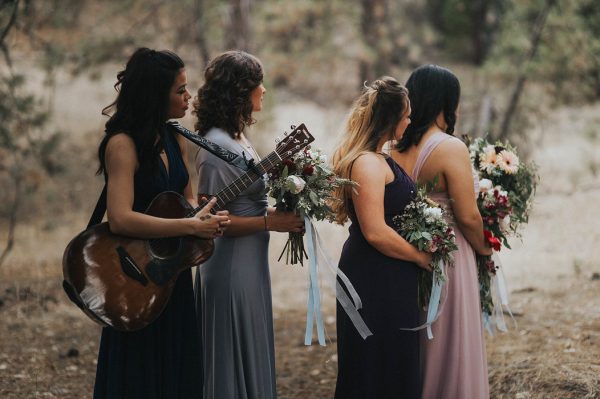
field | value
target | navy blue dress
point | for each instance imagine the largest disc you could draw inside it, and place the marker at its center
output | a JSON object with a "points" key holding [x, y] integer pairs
{"points": [[162, 360], [386, 364]]}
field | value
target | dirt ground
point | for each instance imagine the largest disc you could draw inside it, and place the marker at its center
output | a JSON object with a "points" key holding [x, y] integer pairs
{"points": [[48, 349]]}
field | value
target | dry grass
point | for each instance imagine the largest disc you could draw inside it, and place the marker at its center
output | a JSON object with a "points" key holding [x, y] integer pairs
{"points": [[48, 347]]}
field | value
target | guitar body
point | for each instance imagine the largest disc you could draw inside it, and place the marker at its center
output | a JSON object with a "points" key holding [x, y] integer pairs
{"points": [[125, 282]]}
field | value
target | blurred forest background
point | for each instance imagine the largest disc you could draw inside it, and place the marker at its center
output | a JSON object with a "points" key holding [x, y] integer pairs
{"points": [[529, 69]]}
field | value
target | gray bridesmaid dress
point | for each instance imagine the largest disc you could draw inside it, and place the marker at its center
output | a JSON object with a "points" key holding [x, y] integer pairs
{"points": [[233, 291]]}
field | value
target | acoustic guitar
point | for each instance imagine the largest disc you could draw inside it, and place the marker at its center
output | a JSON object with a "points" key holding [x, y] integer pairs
{"points": [[125, 282]]}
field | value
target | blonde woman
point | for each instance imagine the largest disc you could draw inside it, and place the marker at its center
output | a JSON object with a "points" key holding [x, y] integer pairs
{"points": [[381, 265]]}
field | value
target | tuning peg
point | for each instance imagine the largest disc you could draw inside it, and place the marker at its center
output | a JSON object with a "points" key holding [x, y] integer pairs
{"points": [[292, 127], [277, 140]]}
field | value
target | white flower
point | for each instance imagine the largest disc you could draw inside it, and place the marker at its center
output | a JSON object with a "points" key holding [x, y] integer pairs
{"points": [[435, 213], [294, 184], [485, 185], [488, 160], [508, 162], [505, 223]]}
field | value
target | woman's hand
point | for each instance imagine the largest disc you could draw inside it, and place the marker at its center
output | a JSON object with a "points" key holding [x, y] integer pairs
{"points": [[424, 260], [207, 225], [284, 222]]}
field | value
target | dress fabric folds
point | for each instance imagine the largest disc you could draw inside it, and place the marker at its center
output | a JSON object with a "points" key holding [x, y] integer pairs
{"points": [[386, 364], [233, 290], [164, 359], [454, 361]]}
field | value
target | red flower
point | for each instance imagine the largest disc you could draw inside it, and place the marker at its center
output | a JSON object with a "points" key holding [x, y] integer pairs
{"points": [[308, 170], [493, 241]]}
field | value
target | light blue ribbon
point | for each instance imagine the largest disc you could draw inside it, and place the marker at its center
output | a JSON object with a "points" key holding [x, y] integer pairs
{"points": [[314, 296], [434, 302], [350, 306]]}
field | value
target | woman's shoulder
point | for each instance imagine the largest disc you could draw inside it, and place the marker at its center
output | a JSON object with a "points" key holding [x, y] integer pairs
{"points": [[452, 145], [120, 141], [368, 164]]}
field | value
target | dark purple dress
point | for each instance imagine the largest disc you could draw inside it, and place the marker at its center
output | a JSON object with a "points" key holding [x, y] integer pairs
{"points": [[386, 364], [162, 360]]}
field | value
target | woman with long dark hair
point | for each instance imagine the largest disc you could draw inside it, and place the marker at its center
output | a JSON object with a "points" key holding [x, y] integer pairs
{"points": [[454, 361], [233, 288], [141, 158], [381, 265]]}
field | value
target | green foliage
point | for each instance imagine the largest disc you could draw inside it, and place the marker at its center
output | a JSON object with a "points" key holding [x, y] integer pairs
{"points": [[568, 60]]}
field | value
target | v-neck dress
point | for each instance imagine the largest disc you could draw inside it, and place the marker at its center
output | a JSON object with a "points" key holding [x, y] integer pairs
{"points": [[233, 290], [162, 360]]}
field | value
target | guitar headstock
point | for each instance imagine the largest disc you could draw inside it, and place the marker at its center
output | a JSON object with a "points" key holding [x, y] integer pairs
{"points": [[293, 142]]}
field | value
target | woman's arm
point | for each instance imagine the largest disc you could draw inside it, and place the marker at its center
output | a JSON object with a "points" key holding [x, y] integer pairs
{"points": [[121, 164], [459, 181], [368, 172]]}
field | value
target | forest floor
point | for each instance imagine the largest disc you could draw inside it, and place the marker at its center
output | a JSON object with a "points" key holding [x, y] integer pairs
{"points": [[48, 348]]}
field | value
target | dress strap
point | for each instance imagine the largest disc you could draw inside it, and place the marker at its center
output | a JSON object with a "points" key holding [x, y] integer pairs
{"points": [[427, 149]]}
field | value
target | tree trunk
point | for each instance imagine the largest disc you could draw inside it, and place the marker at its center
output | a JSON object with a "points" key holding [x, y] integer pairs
{"points": [[238, 32], [511, 109], [12, 223], [200, 29], [375, 60]]}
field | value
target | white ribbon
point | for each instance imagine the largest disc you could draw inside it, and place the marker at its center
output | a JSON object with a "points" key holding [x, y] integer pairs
{"points": [[331, 273], [500, 298], [314, 296]]}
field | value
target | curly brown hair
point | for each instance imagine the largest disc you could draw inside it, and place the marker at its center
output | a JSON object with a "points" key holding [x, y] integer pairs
{"points": [[224, 101]]}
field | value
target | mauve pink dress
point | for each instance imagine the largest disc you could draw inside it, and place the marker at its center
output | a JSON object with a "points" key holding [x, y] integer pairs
{"points": [[454, 363]]}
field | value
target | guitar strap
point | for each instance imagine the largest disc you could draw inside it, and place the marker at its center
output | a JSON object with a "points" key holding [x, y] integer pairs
{"points": [[226, 155]]}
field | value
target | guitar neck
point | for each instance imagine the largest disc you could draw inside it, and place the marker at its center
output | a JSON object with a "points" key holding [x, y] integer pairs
{"points": [[243, 182]]}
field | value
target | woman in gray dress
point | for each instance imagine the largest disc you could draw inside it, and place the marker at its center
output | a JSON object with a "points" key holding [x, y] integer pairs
{"points": [[233, 289]]}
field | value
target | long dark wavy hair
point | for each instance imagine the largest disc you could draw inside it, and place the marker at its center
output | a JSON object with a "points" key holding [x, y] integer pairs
{"points": [[224, 101], [142, 105], [432, 89]]}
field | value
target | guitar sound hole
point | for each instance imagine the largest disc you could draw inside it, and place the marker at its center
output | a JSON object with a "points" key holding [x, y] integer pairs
{"points": [[165, 247]]}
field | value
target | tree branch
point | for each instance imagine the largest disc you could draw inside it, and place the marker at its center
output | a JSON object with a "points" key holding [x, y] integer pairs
{"points": [[519, 86]]}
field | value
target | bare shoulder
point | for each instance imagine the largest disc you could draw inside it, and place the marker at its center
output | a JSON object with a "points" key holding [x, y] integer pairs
{"points": [[120, 142], [453, 148], [120, 149], [369, 169]]}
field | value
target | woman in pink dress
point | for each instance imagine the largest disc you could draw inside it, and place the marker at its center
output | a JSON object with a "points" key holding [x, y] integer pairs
{"points": [[454, 362]]}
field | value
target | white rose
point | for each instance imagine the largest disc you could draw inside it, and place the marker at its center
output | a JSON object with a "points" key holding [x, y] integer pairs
{"points": [[485, 185], [294, 184], [435, 213]]}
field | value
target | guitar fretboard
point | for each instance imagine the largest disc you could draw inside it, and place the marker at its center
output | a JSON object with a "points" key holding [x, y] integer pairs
{"points": [[242, 182]]}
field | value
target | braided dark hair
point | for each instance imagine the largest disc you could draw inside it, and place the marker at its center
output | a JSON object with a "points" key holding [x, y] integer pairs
{"points": [[432, 89]]}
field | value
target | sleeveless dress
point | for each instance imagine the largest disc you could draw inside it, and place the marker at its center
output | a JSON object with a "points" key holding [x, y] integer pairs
{"points": [[386, 364], [454, 361], [233, 290], [162, 360]]}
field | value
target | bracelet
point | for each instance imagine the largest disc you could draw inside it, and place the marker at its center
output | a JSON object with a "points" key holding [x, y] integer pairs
{"points": [[265, 216]]}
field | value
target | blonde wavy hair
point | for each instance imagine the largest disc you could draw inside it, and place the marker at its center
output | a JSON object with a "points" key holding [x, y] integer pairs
{"points": [[374, 114]]}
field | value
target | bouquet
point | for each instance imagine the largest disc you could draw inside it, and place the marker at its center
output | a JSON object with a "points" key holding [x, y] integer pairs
{"points": [[304, 184], [423, 225], [506, 189]]}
